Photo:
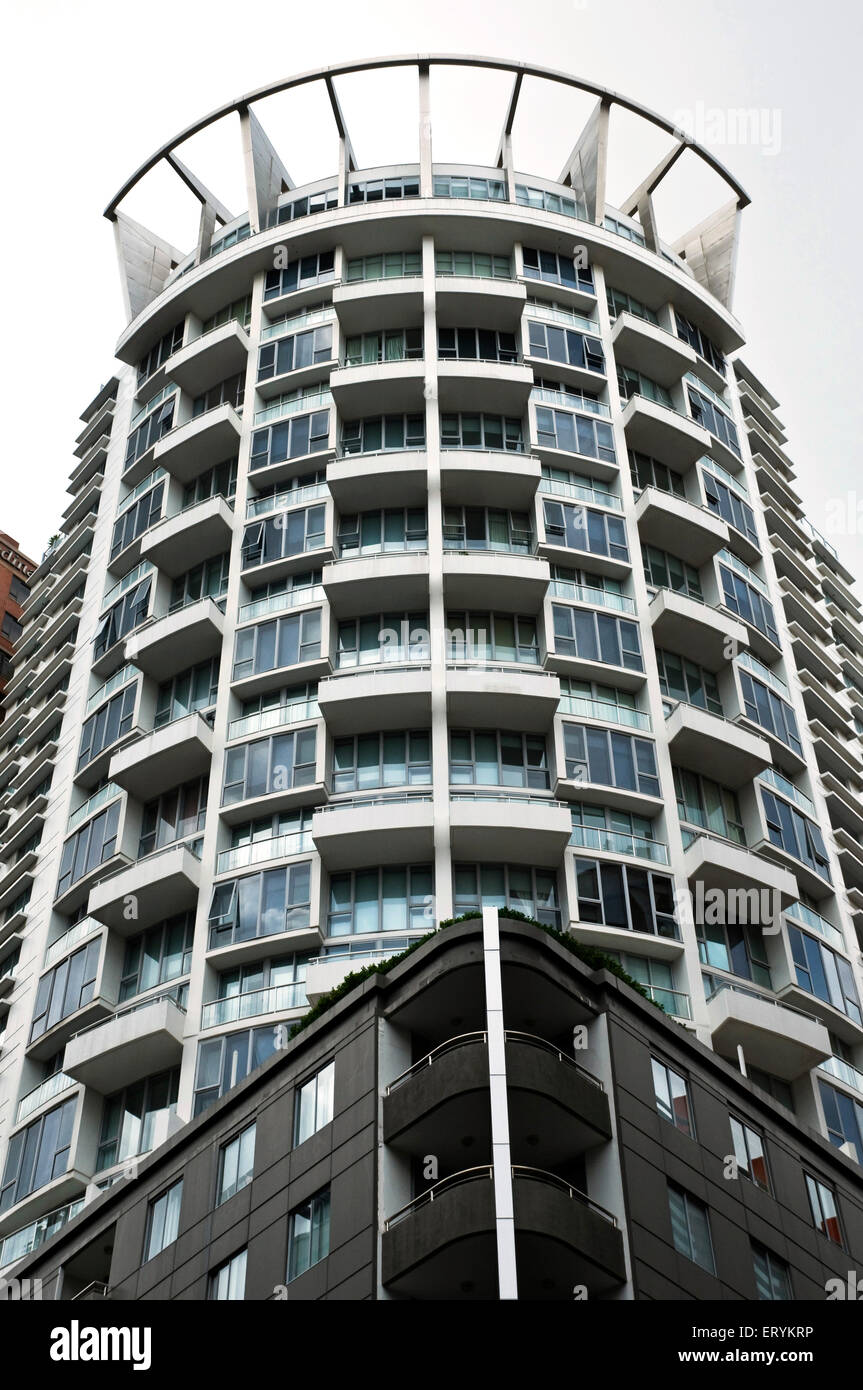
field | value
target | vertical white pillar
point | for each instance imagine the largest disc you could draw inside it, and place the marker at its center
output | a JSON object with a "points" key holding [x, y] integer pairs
{"points": [[501, 1161]]}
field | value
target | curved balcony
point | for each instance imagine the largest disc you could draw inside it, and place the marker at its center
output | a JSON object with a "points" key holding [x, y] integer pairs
{"points": [[518, 697], [690, 532], [471, 477], [713, 746], [148, 890], [488, 826], [186, 450], [443, 1244], [492, 301], [361, 699], [850, 851], [213, 356], [264, 805], [704, 634], [569, 557], [378, 387], [358, 584], [665, 434], [465, 384], [556, 1108], [279, 1000], [597, 794], [393, 828], [367, 305], [579, 668], [164, 758], [780, 1040], [394, 476], [729, 869], [651, 350], [133, 1043], [844, 804], [197, 533], [164, 645], [55, 1038], [485, 579]]}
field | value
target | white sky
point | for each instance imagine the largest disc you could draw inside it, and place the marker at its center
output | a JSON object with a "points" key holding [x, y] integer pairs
{"points": [[91, 88]]}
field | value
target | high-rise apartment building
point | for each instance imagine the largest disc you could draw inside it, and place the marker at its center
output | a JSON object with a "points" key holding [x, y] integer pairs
{"points": [[427, 554], [15, 571]]}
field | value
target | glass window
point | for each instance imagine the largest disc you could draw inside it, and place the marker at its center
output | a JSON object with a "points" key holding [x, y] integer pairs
{"points": [[163, 1220], [772, 1275], [749, 1152], [292, 438], [263, 904], [309, 1234], [38, 1154], [528, 890], [269, 646], [89, 847], [382, 433], [111, 721], [137, 519], [134, 1120], [269, 765], [300, 274], [174, 815], [557, 270], [236, 1165], [690, 1228], [672, 1097], [618, 895], [229, 1280], [314, 1107], [380, 899], [825, 1215], [370, 761], [225, 1061]]}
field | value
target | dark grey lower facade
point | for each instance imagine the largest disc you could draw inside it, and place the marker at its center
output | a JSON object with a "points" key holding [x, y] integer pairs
{"points": [[638, 1164]]}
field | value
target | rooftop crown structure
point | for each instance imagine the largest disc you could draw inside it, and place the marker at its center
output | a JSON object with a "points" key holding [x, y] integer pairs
{"points": [[427, 554]]}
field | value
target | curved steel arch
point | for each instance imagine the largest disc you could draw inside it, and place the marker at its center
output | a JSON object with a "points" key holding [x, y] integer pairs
{"points": [[421, 60]]}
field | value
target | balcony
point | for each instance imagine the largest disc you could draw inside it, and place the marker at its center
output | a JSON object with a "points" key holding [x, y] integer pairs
{"points": [[368, 583], [394, 828], [812, 654], [556, 1108], [17, 878], [186, 450], [443, 1244], [651, 350], [279, 999], [499, 387], [23, 1242], [156, 886], [726, 867], [844, 804], [515, 697], [711, 745], [362, 699], [131, 1044], [162, 646], [490, 827], [494, 580], [181, 542], [373, 388], [55, 1038], [690, 532], [173, 754], [836, 754], [493, 302], [825, 703], [703, 634], [396, 476], [665, 434], [850, 851], [213, 356], [471, 477], [781, 1041], [366, 305]]}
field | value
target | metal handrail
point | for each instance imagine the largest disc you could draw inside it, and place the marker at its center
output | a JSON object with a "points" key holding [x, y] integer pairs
{"points": [[131, 1009], [485, 1172], [520, 1170], [460, 1040]]}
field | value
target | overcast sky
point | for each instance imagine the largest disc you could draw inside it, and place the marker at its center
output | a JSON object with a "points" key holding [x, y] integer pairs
{"points": [[90, 88]]}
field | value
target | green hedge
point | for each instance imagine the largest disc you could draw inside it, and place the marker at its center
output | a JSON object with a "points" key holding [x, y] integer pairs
{"points": [[589, 955]]}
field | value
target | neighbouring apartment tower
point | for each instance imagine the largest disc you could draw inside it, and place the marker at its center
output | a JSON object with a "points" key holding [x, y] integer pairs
{"points": [[433, 551], [15, 571]]}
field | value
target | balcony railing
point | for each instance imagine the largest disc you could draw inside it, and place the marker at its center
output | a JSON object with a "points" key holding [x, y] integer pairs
{"points": [[54, 1086], [278, 603], [172, 994], [618, 842], [99, 798], [295, 713], [843, 1071], [279, 327], [255, 1002], [817, 924], [119, 678], [260, 506], [782, 784], [570, 400], [274, 847], [763, 672], [30, 1237], [604, 709], [581, 493], [469, 1039], [310, 400], [583, 593], [59, 948], [673, 1001]]}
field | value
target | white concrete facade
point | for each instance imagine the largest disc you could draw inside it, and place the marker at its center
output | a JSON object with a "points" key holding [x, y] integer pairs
{"points": [[326, 633]]}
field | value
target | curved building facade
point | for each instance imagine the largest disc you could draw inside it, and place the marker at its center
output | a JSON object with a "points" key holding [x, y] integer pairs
{"points": [[426, 553]]}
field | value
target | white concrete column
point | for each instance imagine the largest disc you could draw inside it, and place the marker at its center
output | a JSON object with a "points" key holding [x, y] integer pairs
{"points": [[501, 1161]]}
